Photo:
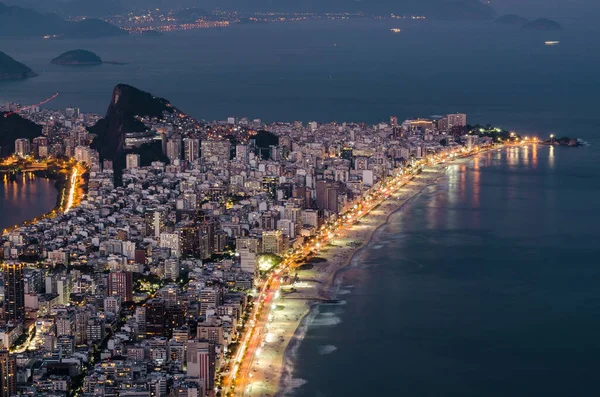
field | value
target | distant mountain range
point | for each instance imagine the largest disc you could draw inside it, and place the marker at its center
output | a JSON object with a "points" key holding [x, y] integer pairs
{"points": [[538, 24], [24, 22]]}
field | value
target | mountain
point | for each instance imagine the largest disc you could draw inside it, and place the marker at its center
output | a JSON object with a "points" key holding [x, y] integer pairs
{"points": [[13, 70], [543, 24], [23, 22], [73, 8], [128, 102], [90, 8], [78, 58], [92, 28], [14, 127], [512, 19]]}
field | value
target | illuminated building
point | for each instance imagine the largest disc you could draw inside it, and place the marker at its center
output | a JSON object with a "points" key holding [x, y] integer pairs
{"points": [[174, 148], [8, 374], [191, 149], [14, 291], [132, 160], [155, 318], [457, 120], [201, 362], [121, 284], [272, 242], [22, 147]]}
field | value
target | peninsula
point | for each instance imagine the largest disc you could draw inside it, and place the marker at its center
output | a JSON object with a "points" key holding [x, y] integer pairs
{"points": [[13, 70], [543, 24], [77, 58]]}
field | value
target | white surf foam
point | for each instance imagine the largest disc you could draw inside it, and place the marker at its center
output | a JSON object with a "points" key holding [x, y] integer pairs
{"points": [[327, 349]]}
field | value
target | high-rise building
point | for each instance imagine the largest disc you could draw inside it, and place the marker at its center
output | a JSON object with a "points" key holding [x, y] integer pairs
{"points": [[22, 147], [140, 321], [83, 154], [217, 150], [209, 297], [14, 291], [132, 160], [8, 374], [155, 222], [65, 323], [172, 242], [37, 143], [272, 242], [394, 121], [201, 360], [155, 318], [247, 260], [121, 284], [188, 240], [174, 148], [191, 149], [327, 196], [457, 120]]}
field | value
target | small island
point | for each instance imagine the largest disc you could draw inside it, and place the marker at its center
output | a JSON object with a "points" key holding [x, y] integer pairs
{"points": [[77, 58], [13, 70], [543, 24]]}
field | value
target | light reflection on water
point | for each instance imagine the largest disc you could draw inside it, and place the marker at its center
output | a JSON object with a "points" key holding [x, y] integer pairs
{"points": [[25, 197]]}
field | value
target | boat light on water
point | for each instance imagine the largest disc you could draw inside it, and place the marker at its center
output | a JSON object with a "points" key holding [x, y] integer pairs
{"points": [[395, 30], [552, 42]]}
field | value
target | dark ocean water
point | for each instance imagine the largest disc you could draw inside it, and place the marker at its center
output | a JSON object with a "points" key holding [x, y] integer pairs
{"points": [[485, 284], [24, 199]]}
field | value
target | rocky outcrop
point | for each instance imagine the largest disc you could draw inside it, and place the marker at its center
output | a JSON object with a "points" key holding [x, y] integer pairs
{"points": [[13, 70]]}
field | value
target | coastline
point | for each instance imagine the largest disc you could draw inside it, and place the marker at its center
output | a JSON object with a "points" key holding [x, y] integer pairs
{"points": [[316, 283], [54, 190], [378, 219], [62, 184], [322, 284]]}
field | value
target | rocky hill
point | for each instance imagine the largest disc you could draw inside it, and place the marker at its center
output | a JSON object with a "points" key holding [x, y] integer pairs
{"points": [[13, 70], [127, 102], [543, 24], [23, 22], [77, 58], [14, 127]]}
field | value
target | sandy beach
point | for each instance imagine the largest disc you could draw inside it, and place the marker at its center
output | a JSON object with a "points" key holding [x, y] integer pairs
{"points": [[315, 283]]}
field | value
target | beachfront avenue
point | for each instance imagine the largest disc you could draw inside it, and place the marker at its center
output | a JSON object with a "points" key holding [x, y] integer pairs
{"points": [[192, 275], [242, 379]]}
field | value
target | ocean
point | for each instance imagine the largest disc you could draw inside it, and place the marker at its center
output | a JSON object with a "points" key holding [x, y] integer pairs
{"points": [[485, 283]]}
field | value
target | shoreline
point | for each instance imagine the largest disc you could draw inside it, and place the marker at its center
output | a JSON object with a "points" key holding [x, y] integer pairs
{"points": [[62, 184], [328, 285], [55, 187], [330, 289], [315, 283]]}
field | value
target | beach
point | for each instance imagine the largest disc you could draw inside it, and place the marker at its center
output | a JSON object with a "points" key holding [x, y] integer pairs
{"points": [[314, 283]]}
